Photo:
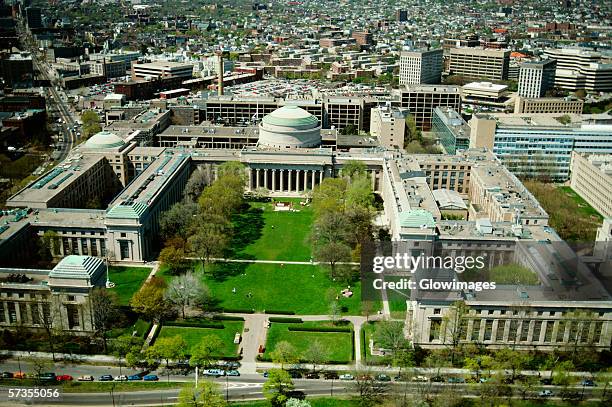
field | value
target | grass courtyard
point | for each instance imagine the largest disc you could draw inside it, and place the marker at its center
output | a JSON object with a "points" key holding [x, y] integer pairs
{"points": [[127, 281], [339, 344], [263, 234], [193, 335]]}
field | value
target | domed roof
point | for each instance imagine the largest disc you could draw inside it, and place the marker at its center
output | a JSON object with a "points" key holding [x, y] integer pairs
{"points": [[104, 139], [290, 116]]}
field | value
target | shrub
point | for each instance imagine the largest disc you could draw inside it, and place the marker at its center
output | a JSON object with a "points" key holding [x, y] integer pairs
{"points": [[320, 329], [269, 311], [286, 320]]}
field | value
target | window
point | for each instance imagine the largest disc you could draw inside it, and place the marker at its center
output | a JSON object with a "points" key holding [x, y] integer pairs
{"points": [[71, 298], [436, 311], [124, 249]]}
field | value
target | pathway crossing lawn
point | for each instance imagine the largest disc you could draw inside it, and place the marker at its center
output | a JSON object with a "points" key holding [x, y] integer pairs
{"points": [[194, 335], [301, 289], [127, 281], [339, 344], [263, 234]]}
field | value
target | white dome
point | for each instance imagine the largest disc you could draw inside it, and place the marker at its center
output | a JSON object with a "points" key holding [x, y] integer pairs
{"points": [[104, 139], [289, 127]]}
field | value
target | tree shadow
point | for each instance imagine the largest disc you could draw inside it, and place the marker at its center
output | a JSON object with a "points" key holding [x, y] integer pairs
{"points": [[247, 228], [221, 271]]}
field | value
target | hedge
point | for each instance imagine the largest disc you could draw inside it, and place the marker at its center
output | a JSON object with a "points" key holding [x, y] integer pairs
{"points": [[237, 310], [286, 320], [262, 358], [320, 329], [196, 324], [268, 311], [227, 318]]}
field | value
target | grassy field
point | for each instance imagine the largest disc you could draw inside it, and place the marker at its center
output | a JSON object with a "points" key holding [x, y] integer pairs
{"points": [[263, 234], [368, 329], [314, 402], [584, 206], [513, 274], [339, 344], [298, 288], [127, 281], [193, 335]]}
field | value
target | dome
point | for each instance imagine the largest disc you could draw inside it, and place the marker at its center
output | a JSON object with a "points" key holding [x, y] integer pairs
{"points": [[289, 127], [104, 139]]}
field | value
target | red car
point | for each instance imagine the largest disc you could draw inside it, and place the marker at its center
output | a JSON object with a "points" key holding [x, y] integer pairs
{"points": [[64, 378]]}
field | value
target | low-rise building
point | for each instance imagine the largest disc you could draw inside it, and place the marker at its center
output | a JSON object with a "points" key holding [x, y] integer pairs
{"points": [[591, 178], [388, 124], [450, 130], [548, 105]]}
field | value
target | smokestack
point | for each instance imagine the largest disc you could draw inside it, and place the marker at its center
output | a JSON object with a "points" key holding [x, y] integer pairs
{"points": [[220, 73]]}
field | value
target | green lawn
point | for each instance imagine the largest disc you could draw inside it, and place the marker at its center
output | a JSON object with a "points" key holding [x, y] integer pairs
{"points": [[583, 206], [105, 387], [513, 274], [339, 344], [314, 402], [193, 335], [127, 281], [368, 329], [263, 234], [298, 288]]}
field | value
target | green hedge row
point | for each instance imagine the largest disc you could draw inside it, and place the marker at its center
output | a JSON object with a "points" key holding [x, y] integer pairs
{"points": [[286, 320], [237, 310], [227, 318], [269, 311], [320, 329], [196, 324], [262, 358]]}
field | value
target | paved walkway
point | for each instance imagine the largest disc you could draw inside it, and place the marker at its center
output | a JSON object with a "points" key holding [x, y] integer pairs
{"points": [[303, 263]]}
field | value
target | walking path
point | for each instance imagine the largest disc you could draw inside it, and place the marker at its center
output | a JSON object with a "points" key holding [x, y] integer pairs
{"points": [[303, 263]]}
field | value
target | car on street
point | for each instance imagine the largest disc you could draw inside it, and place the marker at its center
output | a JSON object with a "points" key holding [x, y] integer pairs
{"points": [[150, 378], [437, 379], [7, 375], [214, 372], [419, 379], [121, 378], [295, 374], [456, 380], [19, 375], [86, 378], [233, 373], [588, 383], [331, 375], [545, 393], [546, 382], [347, 376], [47, 377], [106, 378], [383, 378], [64, 378], [266, 374], [312, 375], [134, 377]]}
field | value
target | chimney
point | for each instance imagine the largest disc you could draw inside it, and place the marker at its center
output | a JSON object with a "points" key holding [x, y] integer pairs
{"points": [[220, 72]]}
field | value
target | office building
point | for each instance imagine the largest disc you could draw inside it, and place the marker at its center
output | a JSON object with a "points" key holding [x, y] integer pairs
{"points": [[539, 145], [420, 67], [401, 16], [581, 69], [491, 64], [421, 100], [549, 105], [33, 17], [363, 38], [162, 69], [17, 70], [388, 125], [451, 131], [591, 178], [535, 78], [486, 94]]}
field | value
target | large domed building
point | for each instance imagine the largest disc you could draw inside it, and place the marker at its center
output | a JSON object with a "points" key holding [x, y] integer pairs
{"points": [[104, 140], [289, 127]]}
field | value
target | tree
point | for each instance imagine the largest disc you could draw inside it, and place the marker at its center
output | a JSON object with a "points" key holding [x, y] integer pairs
{"points": [[177, 220], [91, 123], [277, 386], [477, 364], [333, 253], [370, 390], [173, 258], [353, 168], [47, 316], [334, 312], [149, 301], [185, 290], [39, 366], [284, 353], [48, 245], [104, 312], [198, 180], [124, 345], [454, 327], [297, 403], [207, 394], [510, 359], [208, 242], [203, 354], [390, 335], [317, 354], [168, 348]]}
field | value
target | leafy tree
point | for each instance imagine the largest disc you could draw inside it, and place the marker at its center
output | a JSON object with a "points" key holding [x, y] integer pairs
{"points": [[510, 359], [39, 366], [208, 242], [104, 312], [149, 301], [334, 312], [48, 244], [370, 390], [169, 348], [124, 345], [204, 353], [284, 353], [333, 253], [207, 394], [177, 220], [277, 386], [478, 363], [198, 180], [317, 354], [91, 123], [173, 258], [185, 290], [454, 326], [353, 168]]}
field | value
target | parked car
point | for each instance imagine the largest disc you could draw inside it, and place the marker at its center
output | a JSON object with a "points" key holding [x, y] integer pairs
{"points": [[233, 373], [214, 372], [295, 374], [312, 375], [437, 379], [419, 379], [64, 378], [86, 378], [150, 378], [266, 374], [331, 375], [134, 377], [546, 382], [456, 380], [19, 375], [121, 378], [106, 378], [347, 376], [383, 378], [545, 393], [7, 375], [588, 383], [47, 377]]}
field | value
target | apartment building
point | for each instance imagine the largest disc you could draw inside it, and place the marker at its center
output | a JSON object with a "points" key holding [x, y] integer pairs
{"points": [[388, 124], [491, 64], [342, 112], [549, 105], [581, 69], [421, 100], [536, 77], [161, 69], [420, 67], [591, 178]]}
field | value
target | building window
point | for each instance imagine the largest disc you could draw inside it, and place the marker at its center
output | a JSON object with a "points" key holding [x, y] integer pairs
{"points": [[436, 311], [12, 313], [2, 316], [71, 298], [73, 316], [124, 249]]}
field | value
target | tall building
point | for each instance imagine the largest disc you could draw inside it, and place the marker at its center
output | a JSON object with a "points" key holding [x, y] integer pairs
{"points": [[388, 124], [421, 100], [162, 69], [549, 105], [482, 63], [450, 130], [536, 77], [418, 67], [581, 69], [363, 37], [401, 16], [591, 178], [33, 17]]}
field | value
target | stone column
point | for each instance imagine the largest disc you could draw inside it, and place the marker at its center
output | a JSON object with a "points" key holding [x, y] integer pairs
{"points": [[321, 176], [250, 178], [265, 178], [282, 180], [257, 178], [7, 317], [274, 180], [313, 178], [289, 174], [305, 180]]}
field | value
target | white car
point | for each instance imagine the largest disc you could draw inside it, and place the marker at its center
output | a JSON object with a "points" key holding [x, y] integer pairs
{"points": [[347, 376], [545, 393], [420, 379], [121, 378]]}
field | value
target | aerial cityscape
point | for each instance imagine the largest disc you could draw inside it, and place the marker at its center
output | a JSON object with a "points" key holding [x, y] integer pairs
{"points": [[314, 203]]}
